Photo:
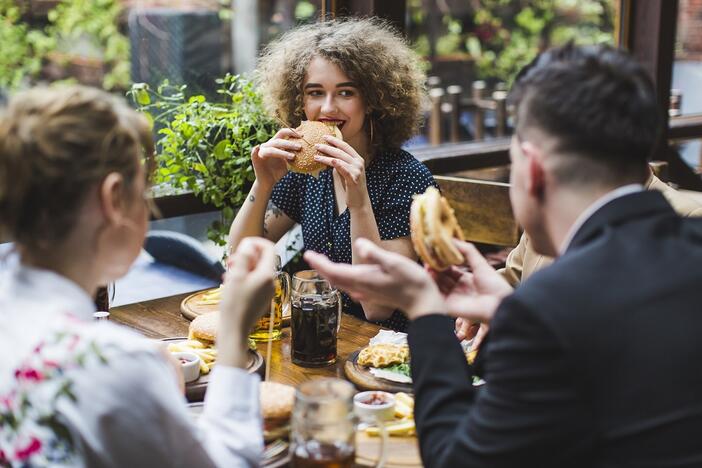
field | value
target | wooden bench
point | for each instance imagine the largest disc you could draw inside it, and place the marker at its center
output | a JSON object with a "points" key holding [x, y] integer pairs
{"points": [[483, 209]]}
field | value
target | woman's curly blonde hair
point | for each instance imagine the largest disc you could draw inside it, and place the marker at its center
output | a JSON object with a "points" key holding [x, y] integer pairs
{"points": [[370, 52]]}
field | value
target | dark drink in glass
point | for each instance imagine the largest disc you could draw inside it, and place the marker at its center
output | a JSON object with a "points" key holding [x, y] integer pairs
{"points": [[313, 454], [315, 316], [314, 324], [102, 299]]}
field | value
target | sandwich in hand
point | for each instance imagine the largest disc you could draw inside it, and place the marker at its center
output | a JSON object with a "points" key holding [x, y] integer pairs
{"points": [[312, 133], [433, 227]]}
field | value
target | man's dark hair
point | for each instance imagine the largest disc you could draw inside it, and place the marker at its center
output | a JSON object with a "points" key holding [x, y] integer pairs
{"points": [[598, 102]]}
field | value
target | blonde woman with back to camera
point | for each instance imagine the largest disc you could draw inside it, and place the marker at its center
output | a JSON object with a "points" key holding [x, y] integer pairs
{"points": [[78, 393], [360, 75]]}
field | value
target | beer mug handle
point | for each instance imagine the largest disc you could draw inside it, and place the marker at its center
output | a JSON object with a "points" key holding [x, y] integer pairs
{"points": [[285, 300], [339, 314], [383, 443]]}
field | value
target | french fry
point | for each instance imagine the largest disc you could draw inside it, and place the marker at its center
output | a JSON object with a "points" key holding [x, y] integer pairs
{"points": [[207, 356], [211, 298], [397, 429], [194, 344], [405, 399], [402, 411], [208, 301]]}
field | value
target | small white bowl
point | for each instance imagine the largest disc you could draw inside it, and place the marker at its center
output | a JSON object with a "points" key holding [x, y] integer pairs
{"points": [[190, 364], [374, 405]]}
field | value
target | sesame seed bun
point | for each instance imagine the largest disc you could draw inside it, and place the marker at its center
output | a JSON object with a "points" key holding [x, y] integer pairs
{"points": [[313, 133], [276, 407], [204, 327]]}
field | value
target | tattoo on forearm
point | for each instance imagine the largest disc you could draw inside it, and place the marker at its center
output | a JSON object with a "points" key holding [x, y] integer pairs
{"points": [[252, 198], [272, 212]]}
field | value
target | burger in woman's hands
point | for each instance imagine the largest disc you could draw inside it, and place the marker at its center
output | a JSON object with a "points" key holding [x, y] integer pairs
{"points": [[311, 132]]}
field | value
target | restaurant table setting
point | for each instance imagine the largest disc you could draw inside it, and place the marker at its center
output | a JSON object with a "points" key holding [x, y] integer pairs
{"points": [[331, 423]]}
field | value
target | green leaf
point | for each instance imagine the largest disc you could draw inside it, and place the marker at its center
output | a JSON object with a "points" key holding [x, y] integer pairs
{"points": [[220, 150], [142, 97]]}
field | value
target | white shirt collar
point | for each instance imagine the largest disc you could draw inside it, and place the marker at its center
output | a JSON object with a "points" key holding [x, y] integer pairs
{"points": [[593, 208], [25, 282]]}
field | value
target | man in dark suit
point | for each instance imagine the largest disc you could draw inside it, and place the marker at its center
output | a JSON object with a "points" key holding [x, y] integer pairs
{"points": [[595, 361]]}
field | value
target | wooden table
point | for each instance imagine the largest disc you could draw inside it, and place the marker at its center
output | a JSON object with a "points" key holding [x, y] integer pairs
{"points": [[161, 318]]}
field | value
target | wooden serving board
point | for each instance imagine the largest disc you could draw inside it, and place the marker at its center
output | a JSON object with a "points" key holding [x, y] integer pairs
{"points": [[191, 307], [195, 391], [400, 451], [363, 379]]}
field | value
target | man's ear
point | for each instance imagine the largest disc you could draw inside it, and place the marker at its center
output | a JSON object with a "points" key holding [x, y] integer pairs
{"points": [[112, 195], [535, 169]]}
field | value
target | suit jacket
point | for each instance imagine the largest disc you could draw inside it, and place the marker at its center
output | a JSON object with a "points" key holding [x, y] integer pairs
{"points": [[523, 260], [593, 362]]}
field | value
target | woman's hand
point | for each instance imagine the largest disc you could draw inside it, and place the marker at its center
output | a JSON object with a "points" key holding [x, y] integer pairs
{"points": [[269, 159], [350, 166], [248, 287]]}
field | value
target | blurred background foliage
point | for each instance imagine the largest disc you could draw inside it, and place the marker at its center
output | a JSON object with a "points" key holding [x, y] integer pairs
{"points": [[79, 40], [501, 36]]}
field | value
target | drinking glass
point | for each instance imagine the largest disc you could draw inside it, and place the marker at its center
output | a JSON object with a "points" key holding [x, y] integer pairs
{"points": [[323, 425], [280, 303], [315, 320]]}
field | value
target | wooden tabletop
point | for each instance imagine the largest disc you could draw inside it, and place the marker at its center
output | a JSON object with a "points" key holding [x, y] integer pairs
{"points": [[161, 318]]}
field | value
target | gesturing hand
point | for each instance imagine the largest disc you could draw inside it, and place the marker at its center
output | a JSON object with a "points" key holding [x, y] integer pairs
{"points": [[383, 278], [349, 165], [472, 295]]}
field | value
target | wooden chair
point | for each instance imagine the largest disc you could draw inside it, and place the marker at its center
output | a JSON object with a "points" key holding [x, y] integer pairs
{"points": [[483, 209]]}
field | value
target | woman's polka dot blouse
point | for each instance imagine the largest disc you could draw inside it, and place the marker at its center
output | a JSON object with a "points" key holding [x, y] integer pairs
{"points": [[392, 179]]}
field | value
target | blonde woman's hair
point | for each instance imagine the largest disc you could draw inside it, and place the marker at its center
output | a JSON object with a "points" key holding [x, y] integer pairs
{"points": [[56, 145], [370, 52]]}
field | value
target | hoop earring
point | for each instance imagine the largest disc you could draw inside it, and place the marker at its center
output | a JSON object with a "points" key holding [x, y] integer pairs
{"points": [[371, 130]]}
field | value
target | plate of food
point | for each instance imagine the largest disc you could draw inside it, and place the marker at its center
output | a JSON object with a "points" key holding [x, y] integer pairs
{"points": [[385, 363], [207, 301], [201, 343], [382, 365]]}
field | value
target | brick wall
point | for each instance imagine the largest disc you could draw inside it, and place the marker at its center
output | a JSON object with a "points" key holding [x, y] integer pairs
{"points": [[689, 33]]}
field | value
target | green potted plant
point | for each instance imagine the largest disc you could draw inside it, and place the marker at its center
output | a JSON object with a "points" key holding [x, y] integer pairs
{"points": [[205, 147]]}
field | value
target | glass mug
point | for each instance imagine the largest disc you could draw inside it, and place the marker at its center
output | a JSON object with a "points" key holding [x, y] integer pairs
{"points": [[280, 304], [315, 320], [323, 430]]}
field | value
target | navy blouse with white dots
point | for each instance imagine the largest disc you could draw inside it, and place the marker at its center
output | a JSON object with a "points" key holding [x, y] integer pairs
{"points": [[392, 179]]}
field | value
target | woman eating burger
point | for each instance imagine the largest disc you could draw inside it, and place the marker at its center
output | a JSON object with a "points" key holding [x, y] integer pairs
{"points": [[359, 76]]}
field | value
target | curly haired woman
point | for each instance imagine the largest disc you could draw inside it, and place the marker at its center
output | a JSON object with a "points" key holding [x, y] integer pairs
{"points": [[361, 75]]}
